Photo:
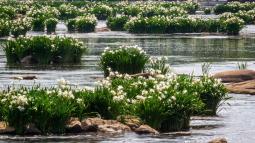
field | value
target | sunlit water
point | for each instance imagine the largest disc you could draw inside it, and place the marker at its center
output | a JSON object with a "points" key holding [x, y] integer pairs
{"points": [[186, 53]]}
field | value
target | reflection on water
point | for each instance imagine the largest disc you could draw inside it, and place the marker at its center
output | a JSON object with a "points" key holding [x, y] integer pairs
{"points": [[186, 54]]}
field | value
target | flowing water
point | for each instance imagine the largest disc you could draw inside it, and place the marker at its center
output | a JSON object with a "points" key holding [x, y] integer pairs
{"points": [[186, 53]]}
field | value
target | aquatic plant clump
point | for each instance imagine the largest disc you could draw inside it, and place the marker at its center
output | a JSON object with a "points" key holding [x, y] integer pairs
{"points": [[4, 27], [117, 23], [232, 25], [43, 50], [51, 24], [68, 11], [234, 7], [213, 94], [164, 101], [86, 23], [82, 24], [157, 99], [126, 59], [101, 11], [20, 26]]}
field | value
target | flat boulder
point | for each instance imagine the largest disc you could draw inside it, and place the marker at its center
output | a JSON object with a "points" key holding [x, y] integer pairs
{"points": [[131, 121], [73, 125], [235, 76], [218, 140], [246, 87], [105, 126], [5, 129], [145, 129]]}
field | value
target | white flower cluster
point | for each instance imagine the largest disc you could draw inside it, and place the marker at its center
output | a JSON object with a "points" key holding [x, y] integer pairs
{"points": [[16, 98]]}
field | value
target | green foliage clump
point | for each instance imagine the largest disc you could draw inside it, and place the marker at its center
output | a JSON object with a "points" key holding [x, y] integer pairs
{"points": [[44, 50], [101, 11], [234, 7], [86, 23], [117, 23], [82, 24], [4, 27], [20, 26], [213, 93], [51, 24], [68, 11], [129, 59], [232, 25], [207, 11]]}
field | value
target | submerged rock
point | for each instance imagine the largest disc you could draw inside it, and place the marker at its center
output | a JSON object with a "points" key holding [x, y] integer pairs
{"points": [[235, 76], [74, 126], [105, 126], [218, 140], [28, 60], [102, 29], [145, 129], [24, 77], [5, 129], [31, 129]]}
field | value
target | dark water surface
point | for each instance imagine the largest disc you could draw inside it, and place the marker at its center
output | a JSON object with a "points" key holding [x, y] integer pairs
{"points": [[186, 53]]}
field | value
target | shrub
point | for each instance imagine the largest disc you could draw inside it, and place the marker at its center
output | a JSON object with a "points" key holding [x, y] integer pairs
{"points": [[20, 26], [117, 23], [86, 23], [4, 27], [51, 24], [129, 59], [101, 11], [232, 25], [207, 11], [213, 93], [44, 50]]}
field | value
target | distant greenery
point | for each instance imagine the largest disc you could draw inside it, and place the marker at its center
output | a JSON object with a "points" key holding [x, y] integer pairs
{"points": [[44, 50]]}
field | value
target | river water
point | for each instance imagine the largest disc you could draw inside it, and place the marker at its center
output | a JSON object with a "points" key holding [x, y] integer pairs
{"points": [[186, 53]]}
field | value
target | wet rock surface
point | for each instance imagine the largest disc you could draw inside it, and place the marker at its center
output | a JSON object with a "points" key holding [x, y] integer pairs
{"points": [[5, 129], [238, 81], [145, 129], [105, 126], [74, 126], [246, 87], [235, 76], [218, 140], [131, 121]]}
